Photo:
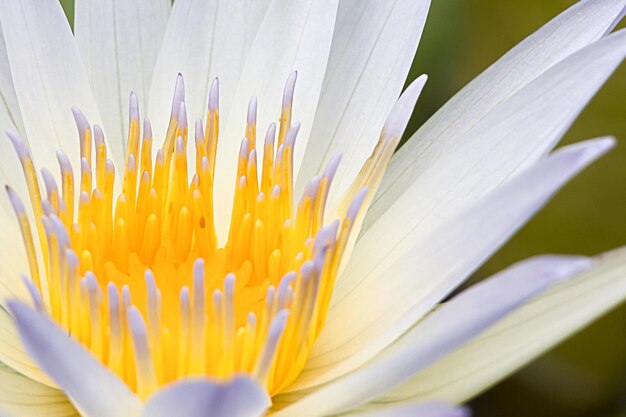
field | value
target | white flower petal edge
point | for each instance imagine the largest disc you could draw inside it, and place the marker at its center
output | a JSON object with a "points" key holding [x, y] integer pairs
{"points": [[10, 116], [13, 354], [119, 42], [517, 134], [203, 40], [580, 25], [520, 337], [442, 332], [514, 135], [23, 397], [44, 86], [94, 390], [372, 50], [416, 410], [240, 397], [391, 132], [47, 84], [13, 261], [295, 34], [426, 272]]}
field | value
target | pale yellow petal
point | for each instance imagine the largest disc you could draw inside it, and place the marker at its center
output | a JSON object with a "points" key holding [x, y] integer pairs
{"points": [[522, 336], [372, 307], [21, 396], [13, 353]]}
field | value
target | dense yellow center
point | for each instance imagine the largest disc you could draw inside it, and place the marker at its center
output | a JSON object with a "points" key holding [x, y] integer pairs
{"points": [[140, 279]]}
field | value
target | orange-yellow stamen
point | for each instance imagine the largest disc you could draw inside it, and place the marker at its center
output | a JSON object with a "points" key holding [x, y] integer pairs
{"points": [[141, 280]]}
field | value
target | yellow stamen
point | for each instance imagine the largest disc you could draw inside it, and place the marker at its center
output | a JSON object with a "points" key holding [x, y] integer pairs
{"points": [[255, 305]]}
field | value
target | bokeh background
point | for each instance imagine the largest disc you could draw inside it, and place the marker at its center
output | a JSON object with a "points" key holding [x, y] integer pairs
{"points": [[585, 376]]}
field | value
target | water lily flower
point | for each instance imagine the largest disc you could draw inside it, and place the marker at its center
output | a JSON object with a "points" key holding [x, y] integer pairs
{"points": [[167, 266]]}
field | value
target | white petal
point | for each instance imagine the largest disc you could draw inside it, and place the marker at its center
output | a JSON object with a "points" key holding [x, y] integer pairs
{"points": [[10, 119], [522, 336], [520, 131], [119, 42], [203, 40], [240, 397], [415, 410], [92, 388], [10, 116], [580, 25], [372, 49], [372, 307], [13, 260], [517, 133], [49, 78], [295, 35], [24, 397], [390, 135], [442, 332], [13, 352], [514, 135]]}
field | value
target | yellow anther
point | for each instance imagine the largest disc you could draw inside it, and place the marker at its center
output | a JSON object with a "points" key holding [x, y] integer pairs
{"points": [[255, 305]]}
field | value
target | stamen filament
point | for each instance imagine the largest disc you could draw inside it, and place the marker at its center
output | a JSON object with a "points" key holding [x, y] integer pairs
{"points": [[255, 305]]}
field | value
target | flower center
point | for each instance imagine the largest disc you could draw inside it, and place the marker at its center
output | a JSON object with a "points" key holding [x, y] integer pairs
{"points": [[141, 280]]}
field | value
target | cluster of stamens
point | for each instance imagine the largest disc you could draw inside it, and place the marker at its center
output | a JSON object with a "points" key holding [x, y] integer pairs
{"points": [[142, 282]]}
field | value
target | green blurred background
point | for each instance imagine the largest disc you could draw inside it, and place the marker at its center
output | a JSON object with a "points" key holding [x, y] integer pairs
{"points": [[585, 376]]}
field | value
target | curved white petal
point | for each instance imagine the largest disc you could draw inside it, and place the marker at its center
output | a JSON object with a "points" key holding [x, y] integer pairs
{"points": [[294, 35], [414, 410], [10, 116], [522, 336], [390, 135], [12, 261], [92, 388], [514, 135], [49, 78], [13, 353], [387, 299], [372, 50], [10, 119], [520, 131], [240, 397], [582, 24], [24, 397], [119, 42], [442, 332], [204, 39]]}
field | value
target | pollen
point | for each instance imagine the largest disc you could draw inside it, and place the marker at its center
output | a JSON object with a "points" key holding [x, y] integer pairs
{"points": [[132, 268]]}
